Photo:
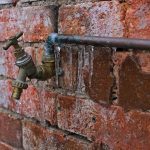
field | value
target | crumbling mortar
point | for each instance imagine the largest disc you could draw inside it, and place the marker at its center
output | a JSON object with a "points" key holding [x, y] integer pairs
{"points": [[24, 118], [115, 68], [114, 88], [25, 3], [6, 6], [125, 6]]}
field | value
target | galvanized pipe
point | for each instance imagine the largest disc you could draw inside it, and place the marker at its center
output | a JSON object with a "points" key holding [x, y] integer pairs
{"points": [[126, 43]]}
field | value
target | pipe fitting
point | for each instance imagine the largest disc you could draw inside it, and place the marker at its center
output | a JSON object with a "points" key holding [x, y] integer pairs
{"points": [[18, 88], [27, 67], [47, 69], [49, 44]]}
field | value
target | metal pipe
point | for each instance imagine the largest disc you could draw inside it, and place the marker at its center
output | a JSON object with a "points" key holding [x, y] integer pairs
{"points": [[126, 43]]}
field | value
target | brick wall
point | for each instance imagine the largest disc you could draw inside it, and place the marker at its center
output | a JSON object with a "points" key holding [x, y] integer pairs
{"points": [[102, 101]]}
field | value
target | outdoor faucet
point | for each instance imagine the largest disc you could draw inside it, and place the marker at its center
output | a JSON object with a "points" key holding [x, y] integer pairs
{"points": [[27, 68]]}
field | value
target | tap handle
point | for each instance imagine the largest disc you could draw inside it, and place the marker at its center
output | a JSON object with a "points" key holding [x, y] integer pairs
{"points": [[12, 40]]}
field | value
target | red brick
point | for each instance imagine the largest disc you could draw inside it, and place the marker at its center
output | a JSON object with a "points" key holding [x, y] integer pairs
{"points": [[36, 22], [37, 137], [37, 103], [7, 63], [143, 59], [138, 19], [107, 126], [34, 102], [133, 86], [4, 146], [81, 116], [118, 58], [98, 78], [10, 130], [116, 133], [49, 106], [69, 64], [90, 119], [4, 94], [139, 130], [87, 71], [2, 62], [99, 18]]}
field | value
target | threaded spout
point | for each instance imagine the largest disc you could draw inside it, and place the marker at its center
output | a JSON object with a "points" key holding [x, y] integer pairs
{"points": [[17, 93]]}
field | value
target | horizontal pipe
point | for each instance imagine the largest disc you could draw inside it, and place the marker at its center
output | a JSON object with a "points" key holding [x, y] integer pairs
{"points": [[126, 43]]}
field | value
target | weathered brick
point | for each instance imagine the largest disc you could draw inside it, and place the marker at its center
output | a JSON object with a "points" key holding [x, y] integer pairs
{"points": [[69, 64], [36, 22], [110, 127], [4, 94], [7, 63], [140, 67], [91, 120], [93, 73], [2, 63], [81, 116], [139, 130], [34, 102], [88, 70], [49, 106], [98, 79], [138, 19], [37, 103], [143, 58], [134, 87], [10, 130], [37, 137], [4, 146], [100, 18]]}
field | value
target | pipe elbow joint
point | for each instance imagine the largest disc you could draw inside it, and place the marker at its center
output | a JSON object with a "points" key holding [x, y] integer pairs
{"points": [[47, 69]]}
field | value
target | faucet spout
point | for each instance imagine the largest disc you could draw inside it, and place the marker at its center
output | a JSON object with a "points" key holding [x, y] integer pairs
{"points": [[19, 84]]}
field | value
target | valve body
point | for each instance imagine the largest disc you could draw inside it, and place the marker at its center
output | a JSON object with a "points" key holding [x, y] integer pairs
{"points": [[27, 68]]}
